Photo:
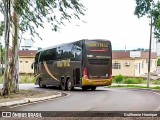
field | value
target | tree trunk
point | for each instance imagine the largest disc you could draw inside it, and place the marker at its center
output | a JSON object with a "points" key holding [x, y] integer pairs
{"points": [[7, 33], [13, 65]]}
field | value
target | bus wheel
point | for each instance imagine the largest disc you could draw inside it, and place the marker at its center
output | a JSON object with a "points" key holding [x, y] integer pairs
{"points": [[84, 88], [69, 85], [93, 88], [63, 85], [41, 85]]}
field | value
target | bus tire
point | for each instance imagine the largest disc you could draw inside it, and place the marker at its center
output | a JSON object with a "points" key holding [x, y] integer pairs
{"points": [[63, 84], [69, 85], [84, 88], [41, 85], [93, 88]]}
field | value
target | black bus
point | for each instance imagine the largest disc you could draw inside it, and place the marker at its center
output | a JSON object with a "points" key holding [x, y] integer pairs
{"points": [[84, 63]]}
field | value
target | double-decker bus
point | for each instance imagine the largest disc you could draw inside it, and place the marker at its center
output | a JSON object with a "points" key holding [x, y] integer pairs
{"points": [[84, 63]]}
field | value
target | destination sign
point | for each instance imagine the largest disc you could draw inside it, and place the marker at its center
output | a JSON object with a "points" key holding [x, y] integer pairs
{"points": [[101, 45]]}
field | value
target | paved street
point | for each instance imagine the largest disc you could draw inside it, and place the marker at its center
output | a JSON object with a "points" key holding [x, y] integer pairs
{"points": [[103, 99]]}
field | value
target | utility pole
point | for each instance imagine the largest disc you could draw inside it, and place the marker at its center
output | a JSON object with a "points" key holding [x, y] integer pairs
{"points": [[149, 60], [0, 59]]}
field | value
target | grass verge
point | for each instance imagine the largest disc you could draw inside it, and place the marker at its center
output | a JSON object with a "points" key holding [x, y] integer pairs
{"points": [[19, 95], [134, 86], [27, 79], [22, 79]]}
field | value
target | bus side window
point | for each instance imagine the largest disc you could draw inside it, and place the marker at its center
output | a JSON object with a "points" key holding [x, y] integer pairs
{"points": [[78, 51], [32, 66], [42, 57], [37, 57], [59, 53]]}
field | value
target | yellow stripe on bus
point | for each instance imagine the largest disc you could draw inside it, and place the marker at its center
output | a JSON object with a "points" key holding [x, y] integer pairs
{"points": [[46, 68]]}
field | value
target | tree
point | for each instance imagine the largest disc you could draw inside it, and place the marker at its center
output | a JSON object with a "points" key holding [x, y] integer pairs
{"points": [[6, 12], [149, 8], [32, 15]]}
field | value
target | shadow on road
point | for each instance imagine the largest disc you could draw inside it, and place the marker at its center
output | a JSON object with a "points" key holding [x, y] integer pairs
{"points": [[75, 90]]}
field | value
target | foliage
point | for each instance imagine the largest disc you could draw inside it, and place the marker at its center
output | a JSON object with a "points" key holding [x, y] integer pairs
{"points": [[31, 16], [158, 62], [34, 13], [149, 8], [156, 82], [27, 79], [133, 81], [1, 79], [134, 86], [1, 28], [143, 7], [118, 78]]}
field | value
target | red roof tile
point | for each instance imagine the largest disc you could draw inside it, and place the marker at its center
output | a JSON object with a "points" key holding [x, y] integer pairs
{"points": [[26, 53], [126, 54]]}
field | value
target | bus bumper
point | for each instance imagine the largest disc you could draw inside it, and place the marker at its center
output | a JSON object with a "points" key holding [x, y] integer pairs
{"points": [[96, 82]]}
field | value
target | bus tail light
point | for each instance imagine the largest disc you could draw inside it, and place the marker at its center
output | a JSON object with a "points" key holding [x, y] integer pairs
{"points": [[85, 73]]}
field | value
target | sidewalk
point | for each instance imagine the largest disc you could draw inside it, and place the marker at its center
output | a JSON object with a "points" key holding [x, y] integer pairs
{"points": [[17, 101]]}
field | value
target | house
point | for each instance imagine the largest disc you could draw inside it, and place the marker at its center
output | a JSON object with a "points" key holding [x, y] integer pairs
{"points": [[128, 63], [26, 58], [132, 63]]}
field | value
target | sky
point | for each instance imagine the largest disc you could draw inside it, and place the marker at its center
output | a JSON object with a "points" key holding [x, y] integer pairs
{"points": [[112, 20]]}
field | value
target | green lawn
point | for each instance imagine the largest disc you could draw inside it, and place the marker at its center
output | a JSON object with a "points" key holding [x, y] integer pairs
{"points": [[134, 86]]}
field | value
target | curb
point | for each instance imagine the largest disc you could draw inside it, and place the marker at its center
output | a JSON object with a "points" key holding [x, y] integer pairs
{"points": [[143, 85], [28, 100]]}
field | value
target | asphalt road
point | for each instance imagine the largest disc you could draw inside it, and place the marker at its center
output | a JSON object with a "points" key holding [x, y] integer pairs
{"points": [[103, 99]]}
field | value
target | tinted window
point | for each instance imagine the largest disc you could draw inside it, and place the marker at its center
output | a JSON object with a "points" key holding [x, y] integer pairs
{"points": [[72, 51], [42, 56], [65, 52], [78, 51], [50, 54]]}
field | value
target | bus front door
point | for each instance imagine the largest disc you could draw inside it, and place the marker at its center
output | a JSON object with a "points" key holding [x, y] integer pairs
{"points": [[76, 76]]}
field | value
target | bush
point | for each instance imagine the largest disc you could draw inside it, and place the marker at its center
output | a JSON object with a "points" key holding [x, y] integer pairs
{"points": [[118, 78], [27, 79], [156, 82], [133, 81], [158, 62]]}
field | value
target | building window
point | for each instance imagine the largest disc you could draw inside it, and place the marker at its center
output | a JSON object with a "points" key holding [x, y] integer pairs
{"points": [[26, 61], [116, 66]]}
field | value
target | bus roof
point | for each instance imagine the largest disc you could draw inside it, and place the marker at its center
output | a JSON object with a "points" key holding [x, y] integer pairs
{"points": [[47, 48]]}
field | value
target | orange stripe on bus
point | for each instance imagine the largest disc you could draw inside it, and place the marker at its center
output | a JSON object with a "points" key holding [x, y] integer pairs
{"points": [[46, 67]]}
